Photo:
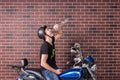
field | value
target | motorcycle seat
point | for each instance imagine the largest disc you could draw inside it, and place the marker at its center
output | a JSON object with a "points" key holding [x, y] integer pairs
{"points": [[35, 69]]}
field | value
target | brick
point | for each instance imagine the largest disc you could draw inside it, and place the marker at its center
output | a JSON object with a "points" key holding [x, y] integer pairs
{"points": [[68, 16], [30, 7], [109, 34], [26, 16], [113, 25], [30, 43], [110, 16], [113, 6], [72, 6], [93, 10]]}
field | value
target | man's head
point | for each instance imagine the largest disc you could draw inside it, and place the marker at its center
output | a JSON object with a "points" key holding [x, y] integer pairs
{"points": [[44, 32]]}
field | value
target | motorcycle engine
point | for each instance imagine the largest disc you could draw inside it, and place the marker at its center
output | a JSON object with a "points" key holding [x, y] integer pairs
{"points": [[87, 74]]}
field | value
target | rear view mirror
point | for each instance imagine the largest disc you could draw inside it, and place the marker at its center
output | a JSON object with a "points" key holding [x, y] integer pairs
{"points": [[24, 62]]}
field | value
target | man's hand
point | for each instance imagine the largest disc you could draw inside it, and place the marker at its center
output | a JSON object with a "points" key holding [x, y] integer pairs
{"points": [[57, 27], [58, 71]]}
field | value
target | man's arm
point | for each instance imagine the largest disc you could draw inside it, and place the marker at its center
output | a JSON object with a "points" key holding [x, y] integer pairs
{"points": [[57, 28]]}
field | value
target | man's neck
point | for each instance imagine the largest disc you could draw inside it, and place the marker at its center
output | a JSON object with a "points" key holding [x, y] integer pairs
{"points": [[49, 40]]}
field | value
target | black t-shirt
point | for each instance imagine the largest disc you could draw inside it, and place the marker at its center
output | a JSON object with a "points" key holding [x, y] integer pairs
{"points": [[49, 49]]}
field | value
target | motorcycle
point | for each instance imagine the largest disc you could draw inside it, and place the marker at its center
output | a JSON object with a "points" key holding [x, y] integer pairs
{"points": [[77, 72]]}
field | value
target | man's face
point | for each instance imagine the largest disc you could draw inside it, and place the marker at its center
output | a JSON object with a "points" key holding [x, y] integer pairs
{"points": [[49, 32]]}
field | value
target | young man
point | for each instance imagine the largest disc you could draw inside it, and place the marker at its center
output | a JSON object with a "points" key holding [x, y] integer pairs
{"points": [[48, 63]]}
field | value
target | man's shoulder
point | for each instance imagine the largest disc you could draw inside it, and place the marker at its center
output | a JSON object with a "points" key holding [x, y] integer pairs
{"points": [[44, 43]]}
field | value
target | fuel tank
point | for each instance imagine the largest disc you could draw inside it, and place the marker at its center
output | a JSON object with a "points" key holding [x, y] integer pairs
{"points": [[72, 74]]}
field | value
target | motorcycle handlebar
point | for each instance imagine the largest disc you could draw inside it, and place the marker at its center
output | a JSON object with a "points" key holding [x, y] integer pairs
{"points": [[14, 67], [18, 68]]}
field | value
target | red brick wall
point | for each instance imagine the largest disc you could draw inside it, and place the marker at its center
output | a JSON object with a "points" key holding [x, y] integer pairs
{"points": [[93, 23]]}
